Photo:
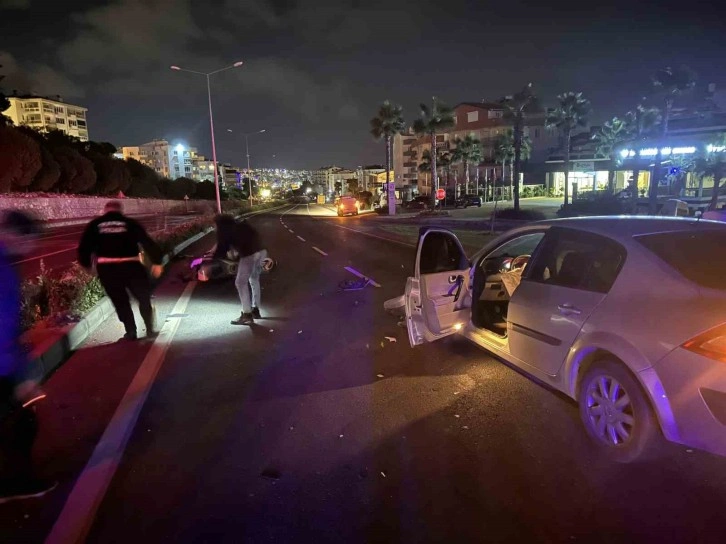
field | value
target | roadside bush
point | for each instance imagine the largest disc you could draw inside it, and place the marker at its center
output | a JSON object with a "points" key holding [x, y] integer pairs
{"points": [[526, 215], [602, 205], [65, 297]]}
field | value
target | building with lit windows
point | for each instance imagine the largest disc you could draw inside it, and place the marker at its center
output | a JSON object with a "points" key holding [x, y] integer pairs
{"points": [[172, 160], [690, 137], [46, 114]]}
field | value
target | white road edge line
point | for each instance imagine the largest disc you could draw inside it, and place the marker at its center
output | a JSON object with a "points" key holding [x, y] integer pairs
{"points": [[291, 231], [301, 238], [79, 511], [361, 276], [320, 251]]}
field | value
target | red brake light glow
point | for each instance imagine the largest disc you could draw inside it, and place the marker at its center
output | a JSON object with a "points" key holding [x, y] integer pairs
{"points": [[711, 344]]}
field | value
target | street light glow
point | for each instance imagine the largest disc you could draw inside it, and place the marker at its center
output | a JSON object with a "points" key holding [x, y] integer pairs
{"points": [[238, 64], [176, 68], [180, 148]]}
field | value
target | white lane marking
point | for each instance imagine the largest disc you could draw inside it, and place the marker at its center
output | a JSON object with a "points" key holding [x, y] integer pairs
{"points": [[76, 519], [47, 255], [361, 276], [320, 251], [301, 238], [376, 236], [291, 231]]}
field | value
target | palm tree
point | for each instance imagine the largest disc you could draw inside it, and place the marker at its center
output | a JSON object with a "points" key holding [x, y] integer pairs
{"points": [[516, 108], [503, 150], [387, 124], [608, 138], [640, 123], [468, 150], [424, 165], [669, 83], [570, 114], [432, 121]]}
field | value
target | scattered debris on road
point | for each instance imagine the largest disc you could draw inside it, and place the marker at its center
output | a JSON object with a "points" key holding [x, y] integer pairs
{"points": [[379, 375], [383, 474], [270, 474], [390, 338]]}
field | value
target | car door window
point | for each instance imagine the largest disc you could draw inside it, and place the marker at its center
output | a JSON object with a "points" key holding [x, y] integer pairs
{"points": [[441, 253], [578, 260], [519, 247]]}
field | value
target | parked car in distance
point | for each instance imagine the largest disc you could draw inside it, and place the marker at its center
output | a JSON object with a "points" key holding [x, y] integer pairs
{"points": [[468, 200], [346, 205], [418, 203], [627, 316]]}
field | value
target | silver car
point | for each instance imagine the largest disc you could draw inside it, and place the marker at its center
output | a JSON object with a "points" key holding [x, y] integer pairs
{"points": [[625, 315]]}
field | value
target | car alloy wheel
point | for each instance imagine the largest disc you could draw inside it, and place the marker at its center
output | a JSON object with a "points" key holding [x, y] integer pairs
{"points": [[609, 410], [615, 411]]}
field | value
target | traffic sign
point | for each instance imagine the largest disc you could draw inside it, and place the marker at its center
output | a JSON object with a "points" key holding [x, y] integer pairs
{"points": [[440, 194]]}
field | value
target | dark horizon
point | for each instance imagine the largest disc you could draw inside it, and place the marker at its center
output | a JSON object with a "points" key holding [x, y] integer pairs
{"points": [[315, 72]]}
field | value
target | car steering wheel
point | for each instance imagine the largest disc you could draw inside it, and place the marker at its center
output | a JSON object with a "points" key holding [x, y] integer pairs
{"points": [[519, 262]]}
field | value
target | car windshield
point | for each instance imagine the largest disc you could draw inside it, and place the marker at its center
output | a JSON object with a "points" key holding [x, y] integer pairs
{"points": [[698, 256]]}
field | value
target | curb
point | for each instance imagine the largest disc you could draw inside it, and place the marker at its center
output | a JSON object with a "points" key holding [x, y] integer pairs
{"points": [[50, 354], [47, 356]]}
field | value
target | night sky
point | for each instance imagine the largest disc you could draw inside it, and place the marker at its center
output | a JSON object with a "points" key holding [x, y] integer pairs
{"points": [[316, 70]]}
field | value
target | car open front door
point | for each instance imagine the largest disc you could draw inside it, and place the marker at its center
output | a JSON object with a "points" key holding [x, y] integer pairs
{"points": [[437, 298]]}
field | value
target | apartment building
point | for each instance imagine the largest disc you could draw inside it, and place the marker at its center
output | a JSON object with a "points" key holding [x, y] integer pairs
{"points": [[482, 120], [171, 161], [46, 114]]}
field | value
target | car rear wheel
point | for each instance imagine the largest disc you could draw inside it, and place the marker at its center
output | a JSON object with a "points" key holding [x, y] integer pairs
{"points": [[615, 412]]}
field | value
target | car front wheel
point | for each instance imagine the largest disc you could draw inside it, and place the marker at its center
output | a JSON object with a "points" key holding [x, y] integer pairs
{"points": [[616, 414]]}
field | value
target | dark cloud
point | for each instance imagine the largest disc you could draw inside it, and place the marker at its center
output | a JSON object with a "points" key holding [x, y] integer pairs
{"points": [[316, 70], [37, 78], [14, 4]]}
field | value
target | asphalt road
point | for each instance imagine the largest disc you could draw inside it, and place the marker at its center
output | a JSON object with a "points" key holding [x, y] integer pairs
{"points": [[57, 246], [314, 426]]}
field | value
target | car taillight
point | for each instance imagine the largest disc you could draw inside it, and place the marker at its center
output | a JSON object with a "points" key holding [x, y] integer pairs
{"points": [[711, 344]]}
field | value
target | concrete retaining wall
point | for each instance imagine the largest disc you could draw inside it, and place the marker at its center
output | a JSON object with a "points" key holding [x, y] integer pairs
{"points": [[50, 208]]}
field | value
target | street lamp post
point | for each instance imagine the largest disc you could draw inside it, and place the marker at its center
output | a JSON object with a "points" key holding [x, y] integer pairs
{"points": [[247, 151], [211, 122]]}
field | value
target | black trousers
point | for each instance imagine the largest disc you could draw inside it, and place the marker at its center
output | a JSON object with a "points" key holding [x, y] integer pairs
{"points": [[118, 279], [18, 428]]}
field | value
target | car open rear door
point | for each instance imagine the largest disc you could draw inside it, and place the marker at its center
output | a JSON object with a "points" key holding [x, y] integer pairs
{"points": [[437, 297]]}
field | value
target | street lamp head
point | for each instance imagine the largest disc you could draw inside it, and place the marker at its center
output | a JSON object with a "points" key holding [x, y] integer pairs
{"points": [[263, 130], [238, 64], [229, 130], [175, 68]]}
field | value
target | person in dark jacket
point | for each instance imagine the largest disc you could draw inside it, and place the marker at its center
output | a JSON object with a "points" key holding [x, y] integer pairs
{"points": [[245, 240], [116, 240], [18, 424]]}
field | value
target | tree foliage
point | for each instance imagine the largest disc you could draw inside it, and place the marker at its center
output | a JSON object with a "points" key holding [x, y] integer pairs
{"points": [[20, 160], [76, 172], [570, 114], [181, 187]]}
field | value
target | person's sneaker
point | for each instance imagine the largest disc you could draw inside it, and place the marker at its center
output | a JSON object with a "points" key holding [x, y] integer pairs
{"points": [[27, 489], [152, 334], [256, 313], [129, 336], [244, 319]]}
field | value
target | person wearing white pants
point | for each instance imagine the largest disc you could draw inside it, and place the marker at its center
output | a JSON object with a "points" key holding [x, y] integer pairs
{"points": [[248, 287]]}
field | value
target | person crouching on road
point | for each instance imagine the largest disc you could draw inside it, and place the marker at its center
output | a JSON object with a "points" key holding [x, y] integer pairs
{"points": [[18, 423], [243, 238], [115, 241]]}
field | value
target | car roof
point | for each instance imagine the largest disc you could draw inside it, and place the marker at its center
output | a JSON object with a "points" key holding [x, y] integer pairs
{"points": [[625, 227]]}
